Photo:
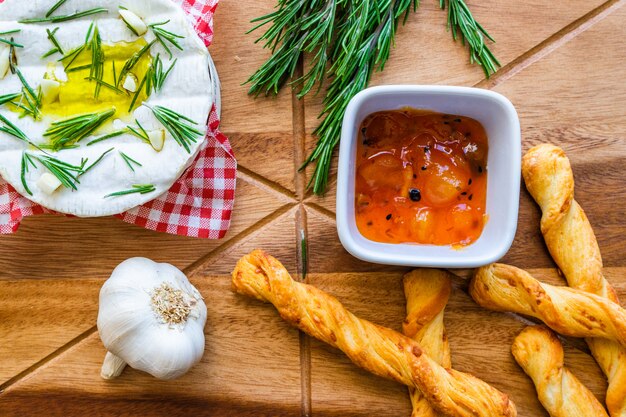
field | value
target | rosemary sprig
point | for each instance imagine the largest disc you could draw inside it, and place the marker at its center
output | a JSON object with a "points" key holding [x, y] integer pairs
{"points": [[460, 19], [164, 37], [72, 130], [26, 160], [55, 43], [158, 75], [55, 7], [12, 130], [352, 70], [97, 161], [65, 18], [66, 173], [153, 79], [9, 97], [137, 189], [132, 61], [179, 126], [346, 41], [96, 72], [10, 42], [129, 161], [107, 136], [30, 101]]}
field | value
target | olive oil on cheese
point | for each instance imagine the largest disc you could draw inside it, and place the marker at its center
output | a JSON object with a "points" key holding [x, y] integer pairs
{"points": [[76, 95]]}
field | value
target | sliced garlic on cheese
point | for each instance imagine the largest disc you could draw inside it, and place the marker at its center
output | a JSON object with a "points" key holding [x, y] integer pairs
{"points": [[5, 54], [48, 183], [50, 90], [157, 139], [130, 83], [134, 22]]}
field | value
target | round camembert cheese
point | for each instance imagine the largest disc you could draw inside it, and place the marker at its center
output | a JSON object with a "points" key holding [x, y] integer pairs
{"points": [[112, 119]]}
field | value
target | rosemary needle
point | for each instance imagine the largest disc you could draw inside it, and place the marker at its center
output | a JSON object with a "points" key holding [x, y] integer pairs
{"points": [[140, 133], [65, 18], [107, 136], [26, 160], [129, 161], [164, 37], [53, 39], [97, 161], [9, 97], [55, 7], [11, 42], [137, 189]]}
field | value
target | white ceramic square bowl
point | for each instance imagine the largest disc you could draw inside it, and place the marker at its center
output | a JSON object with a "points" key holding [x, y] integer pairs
{"points": [[497, 115]]}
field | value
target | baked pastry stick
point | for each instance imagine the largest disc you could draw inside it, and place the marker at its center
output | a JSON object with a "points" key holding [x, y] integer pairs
{"points": [[572, 243], [377, 349], [540, 354], [427, 292], [565, 310]]}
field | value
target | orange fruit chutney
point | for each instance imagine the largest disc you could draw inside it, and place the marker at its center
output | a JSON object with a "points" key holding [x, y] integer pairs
{"points": [[421, 178]]}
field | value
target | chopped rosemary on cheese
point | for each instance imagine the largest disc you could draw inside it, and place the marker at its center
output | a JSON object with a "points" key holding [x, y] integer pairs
{"points": [[137, 189]]}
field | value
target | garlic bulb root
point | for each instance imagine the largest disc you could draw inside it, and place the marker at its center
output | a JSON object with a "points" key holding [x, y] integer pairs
{"points": [[112, 366]]}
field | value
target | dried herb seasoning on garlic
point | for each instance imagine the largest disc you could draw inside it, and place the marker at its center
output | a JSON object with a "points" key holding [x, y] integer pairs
{"points": [[150, 318]]}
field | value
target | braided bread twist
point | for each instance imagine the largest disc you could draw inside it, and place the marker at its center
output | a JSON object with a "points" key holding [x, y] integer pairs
{"points": [[572, 243], [565, 310], [540, 354], [427, 292], [377, 349]]}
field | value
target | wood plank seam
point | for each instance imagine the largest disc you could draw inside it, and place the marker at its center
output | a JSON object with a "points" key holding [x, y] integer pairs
{"points": [[321, 210], [212, 256], [47, 359], [551, 43], [265, 184], [301, 226]]}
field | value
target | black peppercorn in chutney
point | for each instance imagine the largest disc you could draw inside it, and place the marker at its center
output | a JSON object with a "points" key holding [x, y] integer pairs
{"points": [[421, 178]]}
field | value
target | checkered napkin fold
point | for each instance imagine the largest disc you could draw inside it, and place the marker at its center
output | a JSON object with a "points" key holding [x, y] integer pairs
{"points": [[199, 204]]}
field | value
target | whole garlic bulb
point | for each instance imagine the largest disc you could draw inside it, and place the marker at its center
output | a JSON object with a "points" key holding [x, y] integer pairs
{"points": [[151, 318]]}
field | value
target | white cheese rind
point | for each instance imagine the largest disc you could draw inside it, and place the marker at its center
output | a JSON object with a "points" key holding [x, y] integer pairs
{"points": [[188, 90]]}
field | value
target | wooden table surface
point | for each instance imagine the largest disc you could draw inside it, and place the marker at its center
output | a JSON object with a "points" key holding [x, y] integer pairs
{"points": [[564, 70]]}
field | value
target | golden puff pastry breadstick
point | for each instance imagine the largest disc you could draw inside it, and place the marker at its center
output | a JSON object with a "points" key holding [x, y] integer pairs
{"points": [[566, 310], [572, 243], [427, 292], [377, 349], [540, 354]]}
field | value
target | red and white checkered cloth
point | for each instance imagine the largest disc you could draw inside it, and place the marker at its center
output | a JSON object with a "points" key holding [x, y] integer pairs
{"points": [[199, 204]]}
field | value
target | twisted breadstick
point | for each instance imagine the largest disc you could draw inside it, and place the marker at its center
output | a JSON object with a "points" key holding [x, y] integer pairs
{"points": [[572, 243], [427, 292], [377, 349], [540, 354], [566, 310]]}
